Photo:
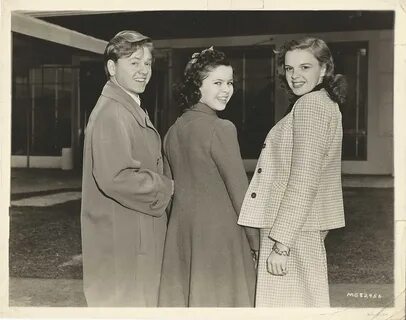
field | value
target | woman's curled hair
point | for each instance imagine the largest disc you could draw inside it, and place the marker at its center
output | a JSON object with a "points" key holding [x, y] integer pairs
{"points": [[187, 92], [335, 84]]}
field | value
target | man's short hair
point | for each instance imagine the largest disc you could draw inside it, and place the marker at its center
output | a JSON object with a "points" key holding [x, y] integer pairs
{"points": [[124, 44]]}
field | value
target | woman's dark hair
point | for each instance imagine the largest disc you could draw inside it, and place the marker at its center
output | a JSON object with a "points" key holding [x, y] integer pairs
{"points": [[187, 92], [335, 84]]}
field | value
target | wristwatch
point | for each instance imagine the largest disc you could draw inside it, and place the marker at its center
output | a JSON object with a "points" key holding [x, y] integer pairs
{"points": [[280, 252]]}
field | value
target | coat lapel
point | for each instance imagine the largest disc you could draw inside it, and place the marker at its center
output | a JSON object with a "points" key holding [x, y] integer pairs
{"points": [[148, 122], [113, 91]]}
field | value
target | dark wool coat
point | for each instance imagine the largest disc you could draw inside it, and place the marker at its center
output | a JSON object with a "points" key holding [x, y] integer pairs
{"points": [[207, 259], [124, 197]]}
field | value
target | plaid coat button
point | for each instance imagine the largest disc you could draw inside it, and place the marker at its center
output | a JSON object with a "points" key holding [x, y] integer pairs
{"points": [[264, 145], [259, 170], [253, 195]]}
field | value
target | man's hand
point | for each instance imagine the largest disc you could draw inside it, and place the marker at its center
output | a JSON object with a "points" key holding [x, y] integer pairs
{"points": [[255, 257]]}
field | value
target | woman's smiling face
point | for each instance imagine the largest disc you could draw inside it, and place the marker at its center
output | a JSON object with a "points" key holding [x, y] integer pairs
{"points": [[303, 71], [217, 88]]}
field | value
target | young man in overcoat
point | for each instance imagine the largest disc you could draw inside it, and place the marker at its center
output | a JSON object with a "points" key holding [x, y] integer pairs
{"points": [[124, 191]]}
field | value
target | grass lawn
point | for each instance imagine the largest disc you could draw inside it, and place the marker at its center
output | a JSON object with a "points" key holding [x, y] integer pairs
{"points": [[362, 252], [44, 240]]}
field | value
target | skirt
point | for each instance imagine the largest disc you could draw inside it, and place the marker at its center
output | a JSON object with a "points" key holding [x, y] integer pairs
{"points": [[306, 281]]}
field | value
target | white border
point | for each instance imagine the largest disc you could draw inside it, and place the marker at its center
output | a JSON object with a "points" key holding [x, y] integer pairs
{"points": [[199, 313]]}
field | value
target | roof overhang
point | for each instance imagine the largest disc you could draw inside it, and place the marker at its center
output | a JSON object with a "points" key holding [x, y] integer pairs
{"points": [[43, 14], [30, 26]]}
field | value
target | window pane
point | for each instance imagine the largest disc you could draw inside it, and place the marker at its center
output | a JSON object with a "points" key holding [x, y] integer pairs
{"points": [[21, 80], [234, 108], [259, 105], [59, 74], [67, 75], [19, 114], [64, 116], [49, 75], [351, 60], [43, 122], [251, 108], [36, 76]]}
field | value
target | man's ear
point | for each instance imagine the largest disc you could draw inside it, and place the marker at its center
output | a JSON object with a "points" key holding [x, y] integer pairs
{"points": [[111, 67]]}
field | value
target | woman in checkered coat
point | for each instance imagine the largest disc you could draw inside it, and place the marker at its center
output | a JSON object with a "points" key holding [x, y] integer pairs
{"points": [[295, 195]]}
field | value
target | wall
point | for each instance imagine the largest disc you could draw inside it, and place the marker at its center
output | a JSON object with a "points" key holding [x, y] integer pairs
{"points": [[35, 162]]}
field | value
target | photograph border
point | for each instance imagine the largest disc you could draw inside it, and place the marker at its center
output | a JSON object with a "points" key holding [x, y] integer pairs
{"points": [[399, 140]]}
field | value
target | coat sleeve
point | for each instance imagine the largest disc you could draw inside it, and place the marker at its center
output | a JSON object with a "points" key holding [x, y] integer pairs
{"points": [[168, 173], [167, 166], [226, 154], [119, 174], [310, 130]]}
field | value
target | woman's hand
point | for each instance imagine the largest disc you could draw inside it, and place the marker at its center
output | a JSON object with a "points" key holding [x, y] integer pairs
{"points": [[277, 260], [276, 264]]}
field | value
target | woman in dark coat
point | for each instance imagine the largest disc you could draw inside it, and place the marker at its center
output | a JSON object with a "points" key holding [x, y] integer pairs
{"points": [[207, 257]]}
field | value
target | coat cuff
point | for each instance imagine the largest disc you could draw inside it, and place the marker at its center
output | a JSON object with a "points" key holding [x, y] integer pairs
{"points": [[163, 197], [283, 237]]}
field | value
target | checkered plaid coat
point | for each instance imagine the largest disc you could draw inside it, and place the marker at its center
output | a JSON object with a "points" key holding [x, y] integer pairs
{"points": [[297, 182]]}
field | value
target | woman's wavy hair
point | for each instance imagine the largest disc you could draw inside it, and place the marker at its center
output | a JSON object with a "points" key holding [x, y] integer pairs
{"points": [[335, 84], [187, 92]]}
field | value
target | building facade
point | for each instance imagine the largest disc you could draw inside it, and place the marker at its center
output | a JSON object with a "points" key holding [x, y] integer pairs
{"points": [[56, 86]]}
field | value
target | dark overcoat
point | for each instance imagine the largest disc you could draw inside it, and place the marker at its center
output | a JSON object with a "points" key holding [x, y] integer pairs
{"points": [[124, 197], [207, 258]]}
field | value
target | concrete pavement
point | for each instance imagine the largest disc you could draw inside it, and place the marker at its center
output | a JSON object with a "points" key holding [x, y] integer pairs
{"points": [[24, 181]]}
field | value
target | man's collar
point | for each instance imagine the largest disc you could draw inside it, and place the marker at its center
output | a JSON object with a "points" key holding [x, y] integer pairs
{"points": [[134, 96], [115, 92]]}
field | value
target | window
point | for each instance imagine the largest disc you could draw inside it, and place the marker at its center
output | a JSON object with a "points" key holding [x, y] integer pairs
{"points": [[21, 100], [351, 59], [42, 108], [252, 106]]}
